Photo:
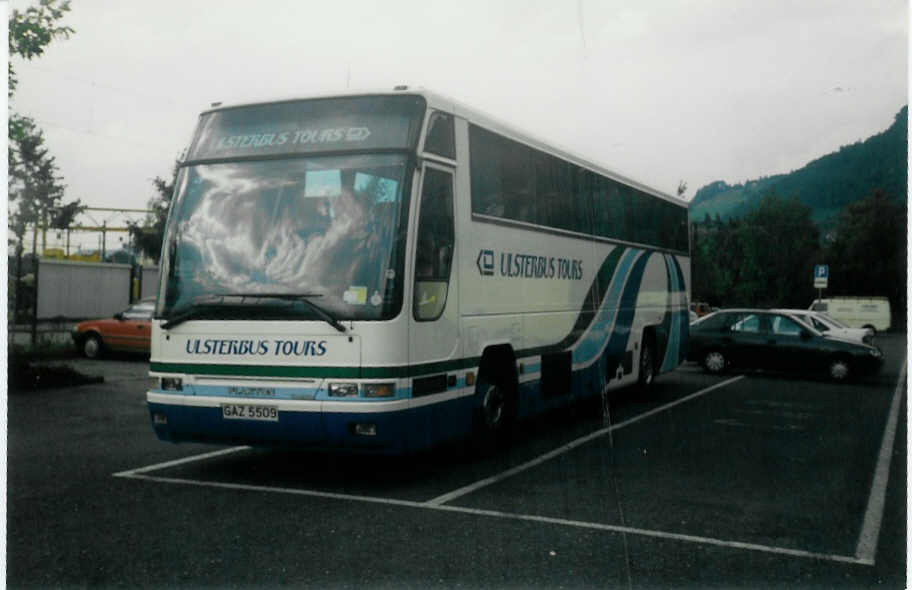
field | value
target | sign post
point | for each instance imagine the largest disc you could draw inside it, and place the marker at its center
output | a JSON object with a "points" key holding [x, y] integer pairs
{"points": [[821, 278]]}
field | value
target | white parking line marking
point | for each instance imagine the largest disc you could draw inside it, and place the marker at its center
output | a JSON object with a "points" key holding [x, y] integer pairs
{"points": [[870, 530], [191, 459], [450, 496], [509, 516], [864, 555], [656, 534], [272, 489]]}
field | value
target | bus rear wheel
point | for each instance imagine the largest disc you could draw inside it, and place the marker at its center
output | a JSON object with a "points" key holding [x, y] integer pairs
{"points": [[647, 365]]}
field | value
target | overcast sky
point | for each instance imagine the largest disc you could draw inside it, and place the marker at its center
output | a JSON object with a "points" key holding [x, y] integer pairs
{"points": [[660, 91]]}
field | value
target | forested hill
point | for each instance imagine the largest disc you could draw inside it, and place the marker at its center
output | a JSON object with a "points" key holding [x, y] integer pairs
{"points": [[826, 184]]}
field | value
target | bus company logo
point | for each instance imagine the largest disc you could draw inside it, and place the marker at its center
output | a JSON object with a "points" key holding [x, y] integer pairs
{"points": [[529, 266], [297, 137], [238, 347], [485, 262]]}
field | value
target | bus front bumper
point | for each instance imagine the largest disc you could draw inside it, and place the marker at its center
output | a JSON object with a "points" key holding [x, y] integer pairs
{"points": [[381, 426]]}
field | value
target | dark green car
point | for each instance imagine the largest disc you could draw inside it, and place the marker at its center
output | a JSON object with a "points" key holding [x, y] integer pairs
{"points": [[762, 339]]}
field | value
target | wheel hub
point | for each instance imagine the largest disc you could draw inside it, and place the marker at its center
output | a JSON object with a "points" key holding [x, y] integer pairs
{"points": [[493, 405], [646, 365], [715, 361], [839, 370]]}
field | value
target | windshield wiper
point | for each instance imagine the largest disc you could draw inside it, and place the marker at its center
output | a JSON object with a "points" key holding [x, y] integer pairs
{"points": [[303, 297], [194, 309]]}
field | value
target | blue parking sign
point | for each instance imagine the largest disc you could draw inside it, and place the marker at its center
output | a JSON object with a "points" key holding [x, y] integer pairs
{"points": [[821, 276]]}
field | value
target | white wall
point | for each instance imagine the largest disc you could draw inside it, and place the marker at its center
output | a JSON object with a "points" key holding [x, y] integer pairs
{"points": [[149, 281], [82, 289]]}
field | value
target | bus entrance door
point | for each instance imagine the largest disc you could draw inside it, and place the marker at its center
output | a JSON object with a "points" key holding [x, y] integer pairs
{"points": [[434, 325]]}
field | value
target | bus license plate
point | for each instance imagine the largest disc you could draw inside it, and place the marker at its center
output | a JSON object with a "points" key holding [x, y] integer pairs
{"points": [[250, 412]]}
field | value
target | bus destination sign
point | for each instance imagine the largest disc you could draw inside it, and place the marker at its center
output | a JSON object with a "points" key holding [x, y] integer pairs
{"points": [[309, 126]]}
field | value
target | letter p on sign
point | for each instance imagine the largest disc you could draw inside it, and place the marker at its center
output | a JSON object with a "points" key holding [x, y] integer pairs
{"points": [[821, 276]]}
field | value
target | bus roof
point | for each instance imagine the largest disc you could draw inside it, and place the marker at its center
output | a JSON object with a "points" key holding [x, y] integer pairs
{"points": [[473, 115]]}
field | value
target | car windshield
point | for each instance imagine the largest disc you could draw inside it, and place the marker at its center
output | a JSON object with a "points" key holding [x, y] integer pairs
{"points": [[831, 320], [784, 326], [139, 311], [818, 323], [326, 226]]}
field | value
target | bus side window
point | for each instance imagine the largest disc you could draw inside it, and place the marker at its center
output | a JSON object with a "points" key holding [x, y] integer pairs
{"points": [[440, 136], [435, 245]]}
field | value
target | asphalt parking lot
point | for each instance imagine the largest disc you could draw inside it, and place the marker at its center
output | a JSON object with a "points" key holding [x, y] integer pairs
{"points": [[743, 480]]}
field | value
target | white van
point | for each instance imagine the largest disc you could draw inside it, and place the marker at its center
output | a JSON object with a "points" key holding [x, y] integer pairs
{"points": [[857, 312]]}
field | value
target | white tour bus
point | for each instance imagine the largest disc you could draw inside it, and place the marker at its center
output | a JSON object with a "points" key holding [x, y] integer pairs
{"points": [[382, 272]]}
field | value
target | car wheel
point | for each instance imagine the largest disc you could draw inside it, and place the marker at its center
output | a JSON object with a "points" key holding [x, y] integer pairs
{"points": [[91, 346], [839, 369], [714, 362]]}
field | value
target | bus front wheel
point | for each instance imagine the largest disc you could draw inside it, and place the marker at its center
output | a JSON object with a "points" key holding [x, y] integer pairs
{"points": [[493, 413]]}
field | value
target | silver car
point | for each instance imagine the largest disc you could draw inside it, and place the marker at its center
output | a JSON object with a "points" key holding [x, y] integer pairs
{"points": [[830, 326]]}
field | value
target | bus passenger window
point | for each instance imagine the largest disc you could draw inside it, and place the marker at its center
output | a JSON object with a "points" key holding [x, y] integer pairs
{"points": [[435, 243], [440, 136]]}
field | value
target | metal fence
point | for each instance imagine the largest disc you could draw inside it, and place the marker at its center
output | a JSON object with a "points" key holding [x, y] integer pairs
{"points": [[47, 297]]}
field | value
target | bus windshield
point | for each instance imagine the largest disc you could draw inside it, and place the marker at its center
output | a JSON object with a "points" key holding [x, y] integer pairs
{"points": [[331, 227]]}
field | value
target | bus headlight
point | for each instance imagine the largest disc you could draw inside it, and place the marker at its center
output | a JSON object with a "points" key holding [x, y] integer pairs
{"points": [[343, 389], [172, 384], [379, 390]]}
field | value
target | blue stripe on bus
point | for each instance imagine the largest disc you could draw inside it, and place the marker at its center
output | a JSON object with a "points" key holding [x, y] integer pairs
{"points": [[592, 343], [620, 335], [683, 316], [674, 334], [306, 393], [664, 337]]}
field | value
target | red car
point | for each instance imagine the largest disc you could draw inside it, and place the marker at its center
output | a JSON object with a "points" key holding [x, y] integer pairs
{"points": [[128, 331]]}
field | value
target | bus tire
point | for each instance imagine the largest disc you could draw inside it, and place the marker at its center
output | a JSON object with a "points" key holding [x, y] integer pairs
{"points": [[495, 407], [647, 368]]}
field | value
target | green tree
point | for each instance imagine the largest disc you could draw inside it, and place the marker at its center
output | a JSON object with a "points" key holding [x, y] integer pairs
{"points": [[780, 244], [34, 184], [33, 180], [764, 259], [868, 253], [148, 237], [33, 30]]}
